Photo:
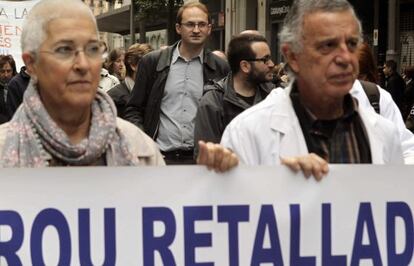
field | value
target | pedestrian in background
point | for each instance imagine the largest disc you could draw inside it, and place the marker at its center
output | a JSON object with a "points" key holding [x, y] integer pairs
{"points": [[107, 81], [121, 93], [115, 63], [251, 68], [16, 88], [7, 72], [280, 77], [169, 85], [409, 91], [394, 83], [367, 66]]}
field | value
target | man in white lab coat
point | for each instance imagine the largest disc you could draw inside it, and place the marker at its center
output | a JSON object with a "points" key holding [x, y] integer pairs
{"points": [[315, 120]]}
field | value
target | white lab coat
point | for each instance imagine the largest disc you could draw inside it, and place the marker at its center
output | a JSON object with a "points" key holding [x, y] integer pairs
{"points": [[264, 133], [390, 111]]}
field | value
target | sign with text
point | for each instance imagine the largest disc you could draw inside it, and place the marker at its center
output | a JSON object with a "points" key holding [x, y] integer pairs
{"points": [[186, 215], [278, 9], [12, 15]]}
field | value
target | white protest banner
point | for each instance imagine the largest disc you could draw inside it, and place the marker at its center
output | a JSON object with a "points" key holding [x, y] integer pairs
{"points": [[358, 215], [12, 15]]}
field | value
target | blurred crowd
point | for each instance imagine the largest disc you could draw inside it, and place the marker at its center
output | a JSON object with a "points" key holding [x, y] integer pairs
{"points": [[120, 67]]}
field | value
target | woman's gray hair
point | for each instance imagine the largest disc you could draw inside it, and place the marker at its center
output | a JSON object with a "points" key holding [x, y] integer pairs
{"points": [[291, 32], [35, 25]]}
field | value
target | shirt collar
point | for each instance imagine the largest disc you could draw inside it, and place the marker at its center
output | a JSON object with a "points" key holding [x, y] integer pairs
{"points": [[176, 54], [129, 82], [350, 106]]}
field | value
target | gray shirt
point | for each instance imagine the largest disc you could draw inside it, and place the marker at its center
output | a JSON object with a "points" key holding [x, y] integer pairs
{"points": [[183, 90]]}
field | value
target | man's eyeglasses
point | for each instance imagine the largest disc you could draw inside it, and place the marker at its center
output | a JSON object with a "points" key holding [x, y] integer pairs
{"points": [[192, 25], [265, 59], [66, 52]]}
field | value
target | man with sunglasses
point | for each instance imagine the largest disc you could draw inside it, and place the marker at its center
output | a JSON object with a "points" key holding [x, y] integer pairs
{"points": [[247, 84], [169, 84]]}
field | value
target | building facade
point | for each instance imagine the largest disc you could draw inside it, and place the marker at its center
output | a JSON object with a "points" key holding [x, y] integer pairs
{"points": [[388, 25], [99, 7]]}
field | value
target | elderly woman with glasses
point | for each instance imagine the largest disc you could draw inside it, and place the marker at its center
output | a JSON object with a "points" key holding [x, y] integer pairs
{"points": [[64, 120]]}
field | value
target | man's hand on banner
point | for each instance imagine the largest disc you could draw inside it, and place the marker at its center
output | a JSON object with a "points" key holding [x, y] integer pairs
{"points": [[310, 164], [216, 157]]}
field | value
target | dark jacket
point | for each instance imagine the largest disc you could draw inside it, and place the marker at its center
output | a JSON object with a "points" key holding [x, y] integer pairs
{"points": [[218, 106], [120, 94], [144, 107], [408, 98], [409, 122], [395, 85], [16, 88], [4, 114]]}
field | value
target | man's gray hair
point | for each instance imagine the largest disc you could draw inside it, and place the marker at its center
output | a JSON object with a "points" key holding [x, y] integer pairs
{"points": [[35, 26], [291, 32]]}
